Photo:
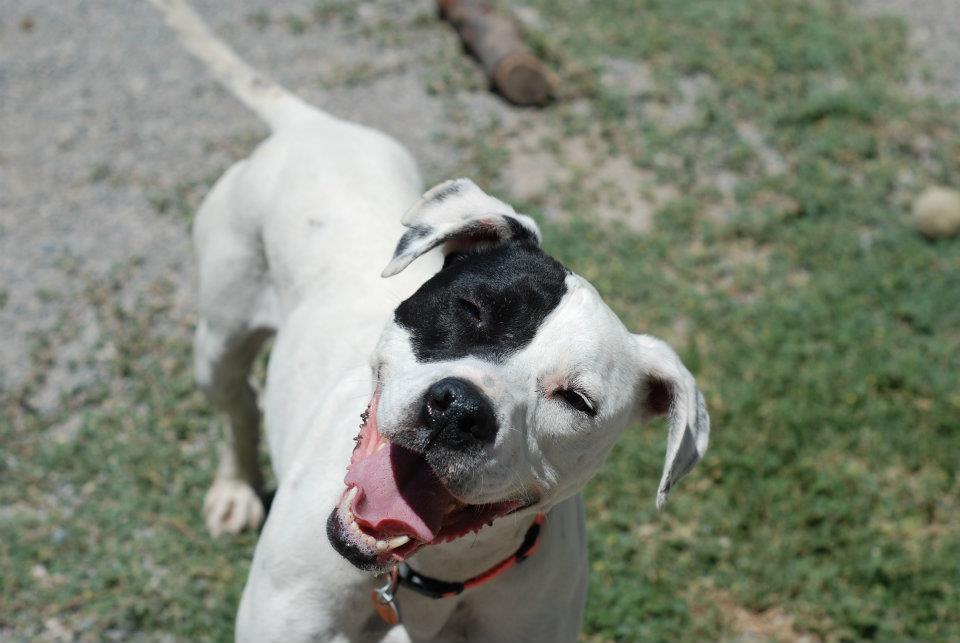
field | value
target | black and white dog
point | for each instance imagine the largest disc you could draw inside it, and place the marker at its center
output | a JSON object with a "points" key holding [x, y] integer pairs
{"points": [[489, 396]]}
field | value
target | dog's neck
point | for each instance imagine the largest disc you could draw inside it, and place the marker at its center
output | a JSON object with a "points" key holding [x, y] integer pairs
{"points": [[473, 554]]}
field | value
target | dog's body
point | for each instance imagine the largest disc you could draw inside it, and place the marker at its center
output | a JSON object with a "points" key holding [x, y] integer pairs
{"points": [[506, 403], [330, 306]]}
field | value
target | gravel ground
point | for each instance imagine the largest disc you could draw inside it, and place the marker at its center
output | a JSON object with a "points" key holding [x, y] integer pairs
{"points": [[935, 33], [101, 108]]}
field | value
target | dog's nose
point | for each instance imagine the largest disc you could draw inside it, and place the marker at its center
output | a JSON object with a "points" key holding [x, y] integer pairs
{"points": [[458, 414]]}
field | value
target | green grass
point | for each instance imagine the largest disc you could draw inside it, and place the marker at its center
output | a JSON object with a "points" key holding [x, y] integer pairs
{"points": [[830, 364], [103, 531], [823, 330]]}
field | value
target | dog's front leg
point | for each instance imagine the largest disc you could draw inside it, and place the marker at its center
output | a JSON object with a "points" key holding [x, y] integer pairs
{"points": [[235, 320], [223, 364]]}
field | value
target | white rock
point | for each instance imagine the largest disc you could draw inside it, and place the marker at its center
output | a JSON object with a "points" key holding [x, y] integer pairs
{"points": [[936, 212]]}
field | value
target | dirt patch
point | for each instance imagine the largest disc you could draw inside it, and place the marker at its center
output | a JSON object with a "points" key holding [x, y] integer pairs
{"points": [[935, 33], [579, 172], [747, 626]]}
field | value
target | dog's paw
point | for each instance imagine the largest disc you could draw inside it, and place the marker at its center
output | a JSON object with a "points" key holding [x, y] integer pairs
{"points": [[230, 507]]}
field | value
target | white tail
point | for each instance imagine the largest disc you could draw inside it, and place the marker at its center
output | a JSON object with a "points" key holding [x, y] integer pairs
{"points": [[268, 100]]}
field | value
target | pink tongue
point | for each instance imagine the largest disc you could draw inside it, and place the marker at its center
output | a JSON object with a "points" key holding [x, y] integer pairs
{"points": [[399, 493]]}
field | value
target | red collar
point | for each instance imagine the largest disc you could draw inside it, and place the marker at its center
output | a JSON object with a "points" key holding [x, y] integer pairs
{"points": [[384, 598]]}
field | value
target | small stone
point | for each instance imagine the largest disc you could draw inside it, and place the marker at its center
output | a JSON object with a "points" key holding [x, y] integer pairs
{"points": [[936, 213], [39, 573]]}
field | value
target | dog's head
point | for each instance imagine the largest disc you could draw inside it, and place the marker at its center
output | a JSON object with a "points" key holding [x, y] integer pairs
{"points": [[501, 386]]}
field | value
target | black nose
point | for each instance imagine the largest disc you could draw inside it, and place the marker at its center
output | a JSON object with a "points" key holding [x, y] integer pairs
{"points": [[458, 415]]}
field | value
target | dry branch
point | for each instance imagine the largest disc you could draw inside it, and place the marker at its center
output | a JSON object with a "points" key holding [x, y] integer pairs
{"points": [[497, 42]]}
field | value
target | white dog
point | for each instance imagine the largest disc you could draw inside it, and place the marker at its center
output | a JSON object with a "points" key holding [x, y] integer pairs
{"points": [[489, 396]]}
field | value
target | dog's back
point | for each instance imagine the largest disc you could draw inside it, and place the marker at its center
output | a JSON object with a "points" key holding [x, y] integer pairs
{"points": [[317, 181]]}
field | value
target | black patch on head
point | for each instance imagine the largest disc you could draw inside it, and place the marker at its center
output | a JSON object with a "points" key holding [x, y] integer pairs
{"points": [[488, 303], [447, 192], [415, 232], [453, 257], [519, 232]]}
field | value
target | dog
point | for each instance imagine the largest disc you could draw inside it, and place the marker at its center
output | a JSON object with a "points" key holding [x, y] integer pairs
{"points": [[486, 399]]}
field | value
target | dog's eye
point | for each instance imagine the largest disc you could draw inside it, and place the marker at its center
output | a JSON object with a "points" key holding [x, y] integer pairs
{"points": [[577, 400]]}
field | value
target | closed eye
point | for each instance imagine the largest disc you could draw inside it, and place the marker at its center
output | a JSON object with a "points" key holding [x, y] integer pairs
{"points": [[577, 400]]}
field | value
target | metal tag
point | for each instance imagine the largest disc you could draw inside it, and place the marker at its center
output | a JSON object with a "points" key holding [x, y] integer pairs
{"points": [[385, 603]]}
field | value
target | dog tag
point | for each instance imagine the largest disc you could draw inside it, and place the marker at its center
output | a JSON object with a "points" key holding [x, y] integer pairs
{"points": [[384, 600], [386, 605]]}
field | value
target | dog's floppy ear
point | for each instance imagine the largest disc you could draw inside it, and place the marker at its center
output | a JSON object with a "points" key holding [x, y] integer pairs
{"points": [[667, 388], [461, 216]]}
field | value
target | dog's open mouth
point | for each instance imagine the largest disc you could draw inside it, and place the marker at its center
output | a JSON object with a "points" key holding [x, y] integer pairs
{"points": [[394, 503]]}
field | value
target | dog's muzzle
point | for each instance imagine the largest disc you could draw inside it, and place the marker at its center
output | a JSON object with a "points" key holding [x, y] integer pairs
{"points": [[393, 502]]}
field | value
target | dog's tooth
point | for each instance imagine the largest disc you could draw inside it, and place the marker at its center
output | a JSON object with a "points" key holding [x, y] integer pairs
{"points": [[381, 545], [383, 445], [370, 540], [355, 528], [351, 495], [399, 541], [350, 517]]}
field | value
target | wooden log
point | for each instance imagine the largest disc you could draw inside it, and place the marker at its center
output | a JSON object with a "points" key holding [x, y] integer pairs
{"points": [[496, 41]]}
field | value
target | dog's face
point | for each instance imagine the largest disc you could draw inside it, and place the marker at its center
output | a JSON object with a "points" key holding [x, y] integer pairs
{"points": [[501, 386]]}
